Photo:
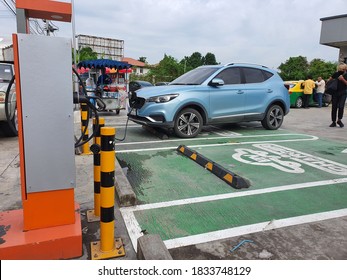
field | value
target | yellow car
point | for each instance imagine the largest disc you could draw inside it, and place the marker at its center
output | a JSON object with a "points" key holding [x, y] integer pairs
{"points": [[296, 93]]}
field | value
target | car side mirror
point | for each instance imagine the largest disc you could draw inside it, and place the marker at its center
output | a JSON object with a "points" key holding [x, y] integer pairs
{"points": [[216, 82]]}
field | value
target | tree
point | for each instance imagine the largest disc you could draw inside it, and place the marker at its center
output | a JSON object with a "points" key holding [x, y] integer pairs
{"points": [[86, 53], [193, 61], [295, 68], [167, 70], [143, 59], [196, 59], [320, 68], [210, 59]]}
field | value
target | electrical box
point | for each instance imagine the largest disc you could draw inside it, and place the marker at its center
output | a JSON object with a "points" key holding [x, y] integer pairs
{"points": [[47, 112]]}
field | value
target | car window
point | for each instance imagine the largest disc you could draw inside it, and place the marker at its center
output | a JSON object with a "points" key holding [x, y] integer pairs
{"points": [[230, 76], [145, 84], [253, 75], [267, 74], [5, 73], [195, 77]]}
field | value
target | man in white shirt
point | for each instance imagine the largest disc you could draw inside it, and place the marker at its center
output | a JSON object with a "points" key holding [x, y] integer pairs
{"points": [[320, 83]]}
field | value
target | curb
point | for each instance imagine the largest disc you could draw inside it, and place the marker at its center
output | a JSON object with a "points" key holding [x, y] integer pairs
{"points": [[125, 193], [152, 247]]}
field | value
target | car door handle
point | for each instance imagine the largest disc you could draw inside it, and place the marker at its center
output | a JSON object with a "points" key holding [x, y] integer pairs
{"points": [[269, 90], [240, 92]]}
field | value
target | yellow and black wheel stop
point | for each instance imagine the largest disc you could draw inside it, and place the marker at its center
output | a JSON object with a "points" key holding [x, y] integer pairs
{"points": [[227, 176]]}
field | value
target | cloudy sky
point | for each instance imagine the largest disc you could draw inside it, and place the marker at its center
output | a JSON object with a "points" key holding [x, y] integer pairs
{"points": [[265, 32]]}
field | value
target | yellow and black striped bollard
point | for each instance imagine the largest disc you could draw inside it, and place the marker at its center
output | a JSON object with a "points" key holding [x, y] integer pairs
{"points": [[94, 215], [84, 122], [108, 247]]}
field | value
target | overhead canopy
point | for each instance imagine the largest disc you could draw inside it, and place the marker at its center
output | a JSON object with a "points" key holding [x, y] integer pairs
{"points": [[100, 63]]}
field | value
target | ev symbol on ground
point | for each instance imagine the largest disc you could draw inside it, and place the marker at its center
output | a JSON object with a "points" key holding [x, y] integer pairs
{"points": [[286, 159]]}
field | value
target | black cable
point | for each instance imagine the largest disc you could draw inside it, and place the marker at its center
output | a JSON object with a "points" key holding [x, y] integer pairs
{"points": [[79, 142], [126, 127], [7, 95]]}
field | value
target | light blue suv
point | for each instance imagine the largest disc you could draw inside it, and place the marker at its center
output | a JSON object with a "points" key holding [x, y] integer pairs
{"points": [[213, 94]]}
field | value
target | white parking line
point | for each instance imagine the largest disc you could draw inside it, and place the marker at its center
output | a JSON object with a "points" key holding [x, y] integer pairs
{"points": [[238, 231], [135, 230], [312, 138]]}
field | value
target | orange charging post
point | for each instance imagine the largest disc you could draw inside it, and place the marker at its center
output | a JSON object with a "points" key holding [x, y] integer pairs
{"points": [[49, 225]]}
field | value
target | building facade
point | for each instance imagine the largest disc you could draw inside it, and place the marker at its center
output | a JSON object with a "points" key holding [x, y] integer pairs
{"points": [[334, 34], [105, 47]]}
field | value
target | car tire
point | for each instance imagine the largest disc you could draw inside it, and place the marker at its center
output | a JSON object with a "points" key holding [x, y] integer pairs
{"points": [[273, 118], [188, 123], [298, 102]]}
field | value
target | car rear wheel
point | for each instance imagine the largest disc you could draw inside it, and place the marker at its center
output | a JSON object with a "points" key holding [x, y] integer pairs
{"points": [[298, 102], [188, 123], [273, 118]]}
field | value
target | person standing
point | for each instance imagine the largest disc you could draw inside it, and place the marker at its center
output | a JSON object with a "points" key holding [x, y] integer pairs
{"points": [[320, 83], [339, 97], [103, 79], [309, 85]]}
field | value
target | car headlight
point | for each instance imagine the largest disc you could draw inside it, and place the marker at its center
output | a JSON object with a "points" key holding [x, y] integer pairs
{"points": [[162, 98]]}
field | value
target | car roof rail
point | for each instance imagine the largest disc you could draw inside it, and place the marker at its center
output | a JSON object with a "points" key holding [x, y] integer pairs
{"points": [[243, 63]]}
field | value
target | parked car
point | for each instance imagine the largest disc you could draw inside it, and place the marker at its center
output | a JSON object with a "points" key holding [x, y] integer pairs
{"points": [[296, 93], [8, 122], [211, 95], [161, 84], [135, 85]]}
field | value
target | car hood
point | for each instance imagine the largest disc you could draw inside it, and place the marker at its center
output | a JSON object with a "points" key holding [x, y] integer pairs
{"points": [[162, 90]]}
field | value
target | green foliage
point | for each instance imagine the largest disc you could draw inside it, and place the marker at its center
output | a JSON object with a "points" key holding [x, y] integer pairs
{"points": [[210, 59], [143, 59], [297, 68], [84, 54], [320, 68], [167, 70], [196, 60]]}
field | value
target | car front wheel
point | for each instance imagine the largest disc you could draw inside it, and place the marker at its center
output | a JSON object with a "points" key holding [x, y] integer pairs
{"points": [[188, 123], [273, 118]]}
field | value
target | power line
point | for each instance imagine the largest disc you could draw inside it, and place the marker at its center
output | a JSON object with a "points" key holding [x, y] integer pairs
{"points": [[12, 9], [34, 25]]}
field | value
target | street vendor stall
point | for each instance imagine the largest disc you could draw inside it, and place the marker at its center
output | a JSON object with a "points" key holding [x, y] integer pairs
{"points": [[112, 89]]}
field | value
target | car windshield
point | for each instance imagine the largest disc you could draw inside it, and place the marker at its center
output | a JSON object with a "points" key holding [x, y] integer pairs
{"points": [[5, 73], [195, 77]]}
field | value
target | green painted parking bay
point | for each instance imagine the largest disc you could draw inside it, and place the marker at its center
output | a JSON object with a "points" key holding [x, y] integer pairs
{"points": [[293, 178]]}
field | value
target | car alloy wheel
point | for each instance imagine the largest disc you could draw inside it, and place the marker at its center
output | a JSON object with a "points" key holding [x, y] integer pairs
{"points": [[188, 123], [273, 118]]}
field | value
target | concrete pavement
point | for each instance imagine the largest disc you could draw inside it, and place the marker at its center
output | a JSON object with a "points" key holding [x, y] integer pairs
{"points": [[307, 241]]}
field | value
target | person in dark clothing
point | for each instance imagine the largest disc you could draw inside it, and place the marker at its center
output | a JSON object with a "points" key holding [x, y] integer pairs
{"points": [[104, 79], [339, 97]]}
